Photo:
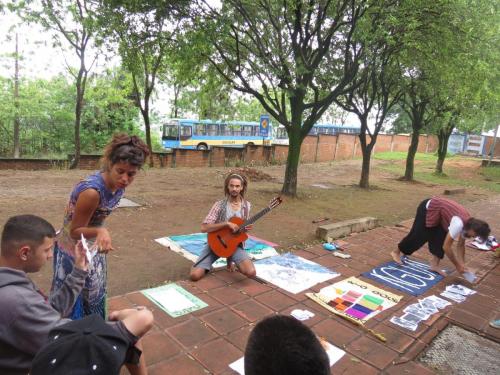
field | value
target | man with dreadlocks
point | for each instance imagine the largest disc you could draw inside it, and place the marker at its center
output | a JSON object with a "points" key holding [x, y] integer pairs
{"points": [[234, 204]]}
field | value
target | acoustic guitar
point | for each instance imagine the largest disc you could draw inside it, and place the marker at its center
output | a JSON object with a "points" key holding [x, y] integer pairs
{"points": [[224, 242]]}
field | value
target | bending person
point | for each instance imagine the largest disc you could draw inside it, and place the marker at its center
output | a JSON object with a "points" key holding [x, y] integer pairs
{"points": [[440, 222], [91, 202]]}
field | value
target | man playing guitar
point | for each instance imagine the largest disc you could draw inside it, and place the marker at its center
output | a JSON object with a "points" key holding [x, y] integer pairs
{"points": [[234, 205]]}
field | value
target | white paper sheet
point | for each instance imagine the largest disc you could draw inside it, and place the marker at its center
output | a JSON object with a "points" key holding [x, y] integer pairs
{"points": [[334, 355]]}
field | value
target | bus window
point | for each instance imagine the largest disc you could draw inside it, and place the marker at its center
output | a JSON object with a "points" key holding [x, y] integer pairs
{"points": [[235, 130], [212, 129], [186, 131], [225, 129], [246, 130], [313, 131], [199, 129], [170, 131]]}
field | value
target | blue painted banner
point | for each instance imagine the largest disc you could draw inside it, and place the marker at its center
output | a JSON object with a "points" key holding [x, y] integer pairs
{"points": [[412, 277], [264, 125]]}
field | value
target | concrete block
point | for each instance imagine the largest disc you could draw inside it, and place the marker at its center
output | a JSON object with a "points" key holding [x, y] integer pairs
{"points": [[454, 191], [346, 227]]}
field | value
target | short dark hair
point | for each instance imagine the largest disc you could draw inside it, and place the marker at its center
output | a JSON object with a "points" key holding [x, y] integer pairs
{"points": [[480, 227], [24, 230], [280, 345]]}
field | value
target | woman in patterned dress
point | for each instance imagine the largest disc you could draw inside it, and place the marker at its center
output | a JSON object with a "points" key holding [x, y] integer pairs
{"points": [[91, 201]]}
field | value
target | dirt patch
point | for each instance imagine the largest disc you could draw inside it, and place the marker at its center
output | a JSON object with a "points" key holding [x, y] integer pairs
{"points": [[175, 201], [252, 174]]}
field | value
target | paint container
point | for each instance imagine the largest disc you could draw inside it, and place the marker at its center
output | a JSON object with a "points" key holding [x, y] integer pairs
{"points": [[329, 246]]}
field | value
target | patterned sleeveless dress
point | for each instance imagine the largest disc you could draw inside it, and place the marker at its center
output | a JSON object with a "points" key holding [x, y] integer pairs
{"points": [[92, 300]]}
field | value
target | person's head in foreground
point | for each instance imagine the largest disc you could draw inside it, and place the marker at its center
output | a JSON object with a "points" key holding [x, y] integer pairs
{"points": [[27, 242], [85, 346], [282, 345]]}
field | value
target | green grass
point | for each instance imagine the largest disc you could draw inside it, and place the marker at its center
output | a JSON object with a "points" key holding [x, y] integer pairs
{"points": [[486, 178]]}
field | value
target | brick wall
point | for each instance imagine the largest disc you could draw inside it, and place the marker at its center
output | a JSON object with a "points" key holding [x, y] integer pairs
{"points": [[32, 164], [326, 147], [314, 149], [345, 146]]}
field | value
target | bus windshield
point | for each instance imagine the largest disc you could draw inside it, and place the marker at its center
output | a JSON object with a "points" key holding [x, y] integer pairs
{"points": [[170, 131]]}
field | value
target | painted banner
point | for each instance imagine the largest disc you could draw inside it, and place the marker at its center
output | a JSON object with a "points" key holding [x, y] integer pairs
{"points": [[355, 299], [174, 300], [191, 245], [411, 277], [292, 273]]}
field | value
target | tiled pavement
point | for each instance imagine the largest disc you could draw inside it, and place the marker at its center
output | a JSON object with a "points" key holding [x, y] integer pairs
{"points": [[209, 339]]}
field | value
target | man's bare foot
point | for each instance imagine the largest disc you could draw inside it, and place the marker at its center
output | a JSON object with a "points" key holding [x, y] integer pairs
{"points": [[439, 271], [396, 256], [231, 267]]}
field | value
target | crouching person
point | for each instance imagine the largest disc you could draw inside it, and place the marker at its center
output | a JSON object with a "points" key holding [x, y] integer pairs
{"points": [[27, 315]]}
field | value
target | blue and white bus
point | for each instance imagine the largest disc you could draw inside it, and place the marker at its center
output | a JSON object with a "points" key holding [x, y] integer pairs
{"points": [[203, 134]]}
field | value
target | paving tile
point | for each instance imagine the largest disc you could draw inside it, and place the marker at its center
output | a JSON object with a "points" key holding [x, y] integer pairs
{"points": [[466, 319], [119, 303], [251, 287], [350, 365], [223, 321], [305, 254], [180, 365], [318, 250], [139, 299], [227, 295], [217, 355], [412, 352], [192, 332], [411, 368], [329, 261], [229, 277], [158, 347], [276, 300], [395, 339], [251, 310], [335, 332], [212, 303], [163, 320], [209, 282], [239, 337], [372, 352]]}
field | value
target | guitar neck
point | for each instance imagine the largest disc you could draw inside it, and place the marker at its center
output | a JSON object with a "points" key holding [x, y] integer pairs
{"points": [[255, 217]]}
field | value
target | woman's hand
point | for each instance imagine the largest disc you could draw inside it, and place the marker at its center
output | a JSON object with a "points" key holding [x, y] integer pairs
{"points": [[103, 241]]}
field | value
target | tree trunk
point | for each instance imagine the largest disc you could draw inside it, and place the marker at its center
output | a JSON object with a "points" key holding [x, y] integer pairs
{"points": [[443, 137], [410, 158], [16, 102], [147, 127], [80, 87], [292, 163], [364, 181]]}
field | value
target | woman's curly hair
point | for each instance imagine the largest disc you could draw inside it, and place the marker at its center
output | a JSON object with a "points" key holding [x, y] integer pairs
{"points": [[124, 148]]}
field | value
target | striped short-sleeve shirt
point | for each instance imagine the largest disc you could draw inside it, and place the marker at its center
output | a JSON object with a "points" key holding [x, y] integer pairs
{"points": [[441, 211]]}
